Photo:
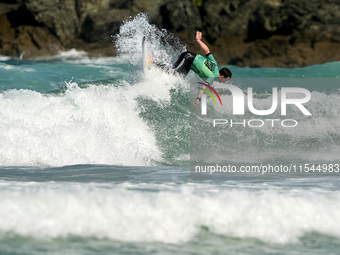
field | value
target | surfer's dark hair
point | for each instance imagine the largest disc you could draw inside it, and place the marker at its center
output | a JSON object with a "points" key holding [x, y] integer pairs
{"points": [[225, 72]]}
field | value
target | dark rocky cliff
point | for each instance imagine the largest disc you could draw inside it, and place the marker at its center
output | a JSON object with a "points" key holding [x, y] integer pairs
{"points": [[286, 33]]}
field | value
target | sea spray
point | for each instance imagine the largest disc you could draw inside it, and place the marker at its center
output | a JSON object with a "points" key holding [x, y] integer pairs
{"points": [[161, 44]]}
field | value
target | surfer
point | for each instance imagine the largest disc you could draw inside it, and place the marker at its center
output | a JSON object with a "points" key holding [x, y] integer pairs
{"points": [[205, 67]]}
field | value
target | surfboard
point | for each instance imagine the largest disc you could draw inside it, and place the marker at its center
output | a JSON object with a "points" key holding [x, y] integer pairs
{"points": [[144, 55]]}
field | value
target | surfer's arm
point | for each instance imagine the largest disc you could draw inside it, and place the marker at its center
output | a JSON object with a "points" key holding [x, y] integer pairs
{"points": [[202, 44], [198, 99]]}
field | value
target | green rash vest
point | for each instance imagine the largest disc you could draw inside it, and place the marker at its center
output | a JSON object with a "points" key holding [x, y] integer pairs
{"points": [[205, 68]]}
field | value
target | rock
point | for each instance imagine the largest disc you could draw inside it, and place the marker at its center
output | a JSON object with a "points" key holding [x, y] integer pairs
{"points": [[21, 34], [179, 16], [60, 17], [99, 26], [239, 32], [273, 32], [223, 19]]}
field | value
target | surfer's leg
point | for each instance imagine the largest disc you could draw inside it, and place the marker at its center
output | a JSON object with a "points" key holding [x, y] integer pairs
{"points": [[182, 65], [184, 62]]}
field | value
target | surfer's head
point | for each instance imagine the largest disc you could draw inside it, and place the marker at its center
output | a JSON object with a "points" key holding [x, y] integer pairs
{"points": [[224, 75]]}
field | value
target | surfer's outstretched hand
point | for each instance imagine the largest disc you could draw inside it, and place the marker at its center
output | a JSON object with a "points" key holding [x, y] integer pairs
{"points": [[198, 35], [197, 103]]}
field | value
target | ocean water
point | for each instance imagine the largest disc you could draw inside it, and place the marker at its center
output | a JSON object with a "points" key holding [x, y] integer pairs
{"points": [[95, 156]]}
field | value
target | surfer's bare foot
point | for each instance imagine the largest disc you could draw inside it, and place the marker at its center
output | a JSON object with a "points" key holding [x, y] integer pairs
{"points": [[149, 62]]}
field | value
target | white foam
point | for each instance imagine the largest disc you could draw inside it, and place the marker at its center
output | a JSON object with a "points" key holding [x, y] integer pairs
{"points": [[68, 55], [49, 210], [96, 125], [6, 67], [4, 58], [99, 62], [72, 53]]}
